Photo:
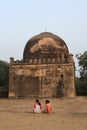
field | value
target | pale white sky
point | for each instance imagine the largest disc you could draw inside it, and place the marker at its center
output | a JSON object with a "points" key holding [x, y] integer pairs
{"points": [[22, 19]]}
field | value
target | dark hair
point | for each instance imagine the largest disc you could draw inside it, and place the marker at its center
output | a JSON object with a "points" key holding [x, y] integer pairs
{"points": [[47, 101], [38, 102]]}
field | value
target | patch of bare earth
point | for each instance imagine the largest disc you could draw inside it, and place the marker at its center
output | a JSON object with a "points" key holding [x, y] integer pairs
{"points": [[68, 114]]}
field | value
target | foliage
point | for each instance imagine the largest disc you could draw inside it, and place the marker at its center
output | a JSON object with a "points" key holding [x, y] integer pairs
{"points": [[4, 75], [82, 60], [81, 82], [81, 87]]}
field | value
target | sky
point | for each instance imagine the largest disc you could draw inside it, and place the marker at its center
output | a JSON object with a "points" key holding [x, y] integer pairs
{"points": [[22, 19]]}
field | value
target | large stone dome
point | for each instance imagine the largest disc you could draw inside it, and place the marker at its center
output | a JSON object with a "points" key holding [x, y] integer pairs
{"points": [[45, 45], [47, 70]]}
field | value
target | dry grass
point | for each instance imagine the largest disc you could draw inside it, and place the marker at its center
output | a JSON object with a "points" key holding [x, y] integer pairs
{"points": [[68, 114]]}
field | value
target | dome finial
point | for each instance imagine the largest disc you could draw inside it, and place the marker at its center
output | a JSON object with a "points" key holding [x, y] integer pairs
{"points": [[45, 29]]}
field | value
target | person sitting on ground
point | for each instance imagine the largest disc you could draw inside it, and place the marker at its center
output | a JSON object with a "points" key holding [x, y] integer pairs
{"points": [[37, 108], [48, 107]]}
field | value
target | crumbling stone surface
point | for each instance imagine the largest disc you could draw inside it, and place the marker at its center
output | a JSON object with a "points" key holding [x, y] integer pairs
{"points": [[47, 69]]}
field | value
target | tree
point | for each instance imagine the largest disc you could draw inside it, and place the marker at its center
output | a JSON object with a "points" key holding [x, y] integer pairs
{"points": [[4, 75], [82, 81], [82, 60]]}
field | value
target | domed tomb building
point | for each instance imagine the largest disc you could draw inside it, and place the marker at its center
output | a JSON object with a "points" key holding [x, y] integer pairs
{"points": [[46, 71]]}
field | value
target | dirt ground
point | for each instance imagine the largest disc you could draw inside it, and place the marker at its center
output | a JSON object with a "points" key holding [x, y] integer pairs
{"points": [[68, 114]]}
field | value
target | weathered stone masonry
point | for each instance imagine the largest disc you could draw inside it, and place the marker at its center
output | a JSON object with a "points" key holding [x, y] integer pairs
{"points": [[47, 69]]}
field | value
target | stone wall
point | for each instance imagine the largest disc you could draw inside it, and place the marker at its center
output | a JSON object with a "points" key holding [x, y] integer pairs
{"points": [[41, 80]]}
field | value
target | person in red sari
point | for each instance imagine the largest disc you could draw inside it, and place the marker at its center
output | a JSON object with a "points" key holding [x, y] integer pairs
{"points": [[48, 107]]}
